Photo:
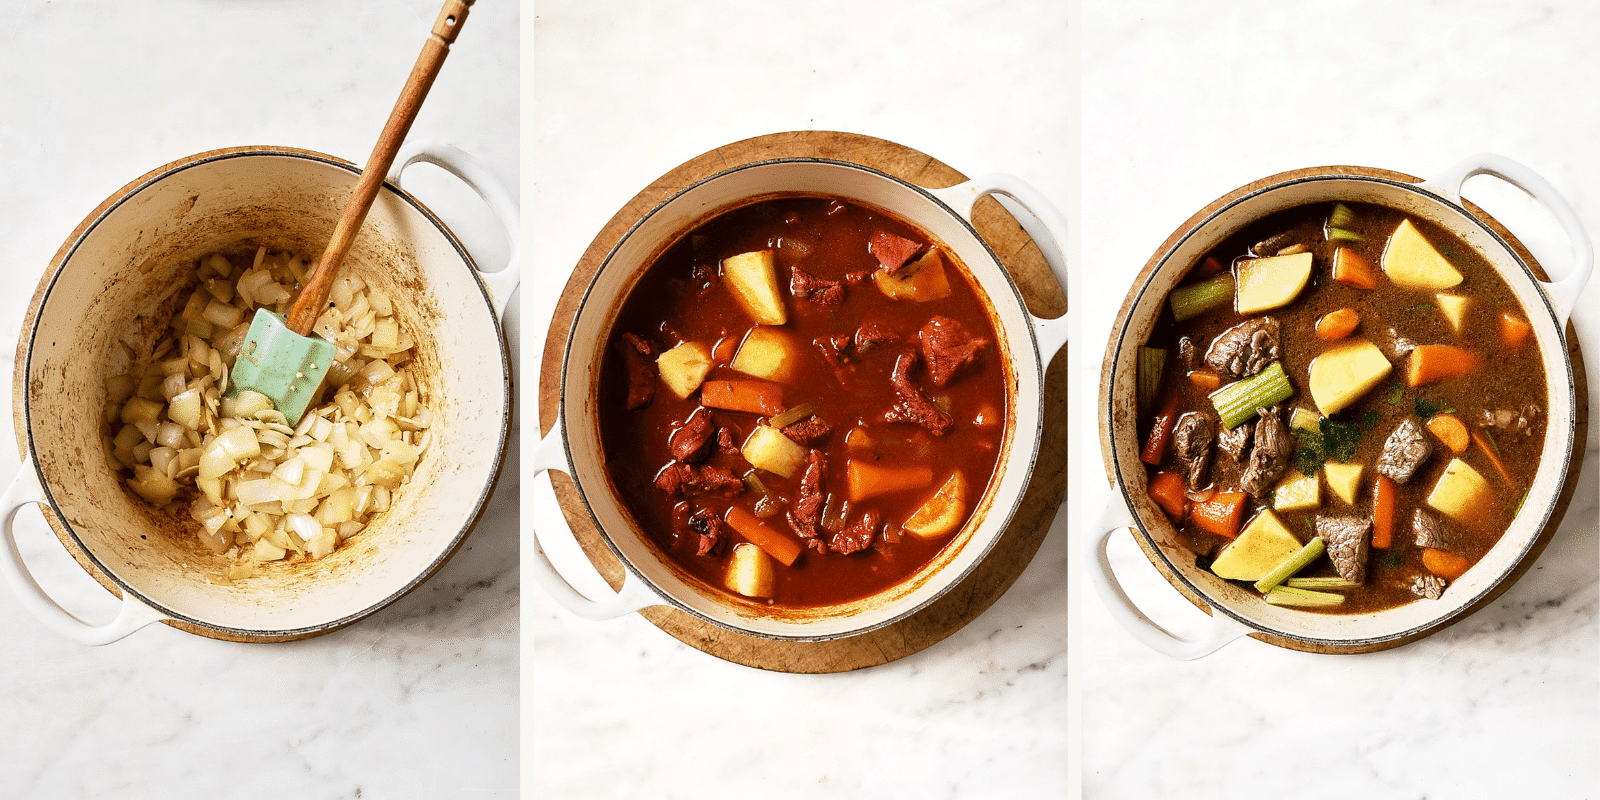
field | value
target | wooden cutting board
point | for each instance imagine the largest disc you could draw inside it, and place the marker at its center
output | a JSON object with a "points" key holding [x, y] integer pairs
{"points": [[1016, 546]]}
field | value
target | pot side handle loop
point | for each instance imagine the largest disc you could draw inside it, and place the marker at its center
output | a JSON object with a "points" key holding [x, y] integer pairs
{"points": [[476, 176], [1043, 223], [1224, 629], [1563, 293], [545, 516], [133, 614]]}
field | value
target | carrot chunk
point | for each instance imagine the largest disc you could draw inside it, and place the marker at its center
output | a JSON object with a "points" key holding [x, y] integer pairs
{"points": [[1513, 331], [865, 480], [1166, 488], [1444, 564], [776, 543], [1205, 380], [1155, 448], [1383, 505], [1221, 515], [1494, 455], [1336, 325], [1436, 362], [1209, 267], [1352, 268], [1450, 430], [754, 397]]}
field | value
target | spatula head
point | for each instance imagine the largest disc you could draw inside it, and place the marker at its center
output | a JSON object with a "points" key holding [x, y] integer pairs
{"points": [[281, 364]]}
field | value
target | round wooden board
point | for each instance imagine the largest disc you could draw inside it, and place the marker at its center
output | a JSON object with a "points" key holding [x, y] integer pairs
{"points": [[1016, 546]]}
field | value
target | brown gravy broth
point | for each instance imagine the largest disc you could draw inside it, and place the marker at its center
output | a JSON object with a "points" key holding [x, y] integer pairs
{"points": [[1509, 379], [684, 296]]}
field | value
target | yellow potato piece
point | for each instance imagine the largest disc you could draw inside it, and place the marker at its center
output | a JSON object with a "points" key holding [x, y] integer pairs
{"points": [[1343, 479], [1454, 308], [921, 280], [1261, 547], [684, 368], [1461, 492], [1340, 375], [1409, 260], [1268, 283], [1297, 492], [767, 448], [766, 353], [941, 514], [750, 571], [753, 277]]}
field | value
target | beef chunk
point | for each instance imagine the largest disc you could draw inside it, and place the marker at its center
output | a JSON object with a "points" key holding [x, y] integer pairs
{"points": [[688, 442], [1428, 587], [709, 529], [1505, 420], [1272, 244], [726, 444], [1430, 532], [1270, 456], [1245, 349], [1348, 541], [638, 360], [808, 431], [871, 334], [1405, 450], [1192, 439], [720, 480], [1396, 346], [1188, 353], [1235, 442], [892, 251], [679, 478], [857, 535], [807, 509], [948, 348], [835, 350], [912, 405], [805, 286]]}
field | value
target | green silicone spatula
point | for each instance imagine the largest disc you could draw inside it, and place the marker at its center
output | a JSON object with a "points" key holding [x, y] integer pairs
{"points": [[280, 357]]}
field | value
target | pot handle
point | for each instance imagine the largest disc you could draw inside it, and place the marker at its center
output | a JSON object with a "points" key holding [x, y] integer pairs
{"points": [[475, 175], [133, 615], [551, 454], [1224, 629], [1043, 223], [1563, 293]]}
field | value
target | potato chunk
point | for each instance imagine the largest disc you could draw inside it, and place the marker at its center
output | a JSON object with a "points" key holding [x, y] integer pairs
{"points": [[1341, 375], [684, 367], [1260, 548], [1297, 492], [768, 449], [940, 514], [750, 571], [1343, 479], [1268, 283], [753, 277], [768, 353], [1409, 260], [921, 280], [1461, 492], [1454, 308]]}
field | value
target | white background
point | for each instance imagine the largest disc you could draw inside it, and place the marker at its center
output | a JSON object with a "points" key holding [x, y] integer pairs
{"points": [[417, 701]]}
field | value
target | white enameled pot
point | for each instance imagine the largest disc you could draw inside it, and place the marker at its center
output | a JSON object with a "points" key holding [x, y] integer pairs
{"points": [[117, 279], [573, 445], [1235, 611]]}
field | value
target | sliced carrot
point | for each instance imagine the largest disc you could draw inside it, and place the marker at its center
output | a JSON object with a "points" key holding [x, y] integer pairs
{"points": [[1436, 362], [863, 480], [1336, 325], [1209, 267], [1493, 454], [1155, 448], [725, 350], [776, 543], [1205, 380], [754, 397], [858, 439], [1444, 564], [1352, 268], [1450, 430], [1513, 331], [1221, 515], [1166, 488], [1383, 505]]}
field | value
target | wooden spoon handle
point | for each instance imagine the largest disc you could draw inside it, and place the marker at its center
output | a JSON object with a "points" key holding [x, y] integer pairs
{"points": [[314, 295]]}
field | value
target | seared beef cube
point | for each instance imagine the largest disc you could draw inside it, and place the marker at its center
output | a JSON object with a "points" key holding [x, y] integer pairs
{"points": [[1272, 244], [1347, 540], [808, 431], [1431, 532], [1245, 349], [641, 368], [857, 535], [948, 348], [892, 251], [1405, 450], [688, 441], [807, 510], [805, 286], [1270, 456], [709, 529], [1188, 353], [726, 444], [871, 334], [1192, 439], [1236, 441], [679, 478], [911, 405], [1428, 587], [1505, 420], [1396, 346], [676, 478], [719, 480]]}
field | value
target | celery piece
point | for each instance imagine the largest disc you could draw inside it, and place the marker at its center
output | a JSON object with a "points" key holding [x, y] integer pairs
{"points": [[1196, 299], [1239, 400], [1341, 217], [792, 415], [1305, 598], [1293, 564], [1152, 360], [1337, 234], [1321, 583]]}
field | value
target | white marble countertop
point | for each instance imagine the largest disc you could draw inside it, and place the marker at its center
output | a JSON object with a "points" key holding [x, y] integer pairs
{"points": [[418, 701], [1184, 102], [626, 92]]}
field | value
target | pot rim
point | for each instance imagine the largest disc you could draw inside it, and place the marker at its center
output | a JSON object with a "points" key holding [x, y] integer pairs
{"points": [[947, 582], [1200, 596], [24, 368]]}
